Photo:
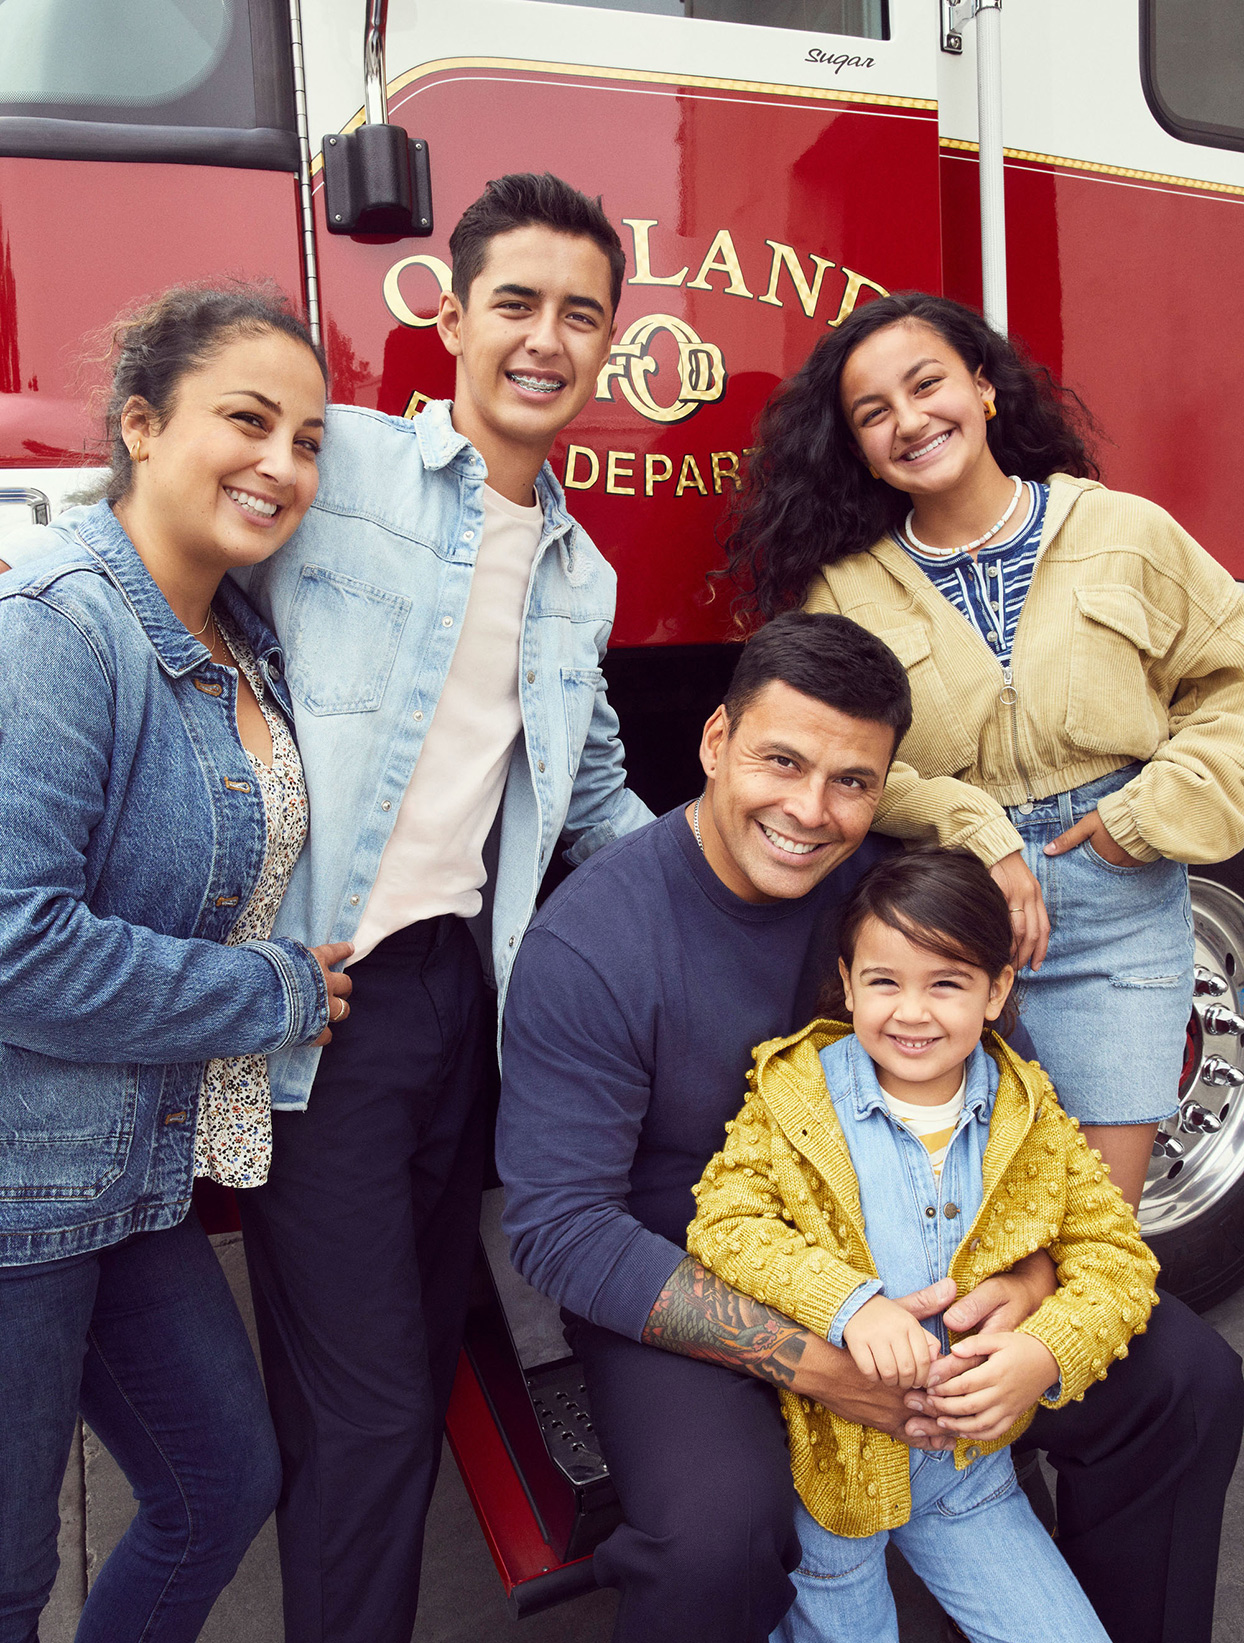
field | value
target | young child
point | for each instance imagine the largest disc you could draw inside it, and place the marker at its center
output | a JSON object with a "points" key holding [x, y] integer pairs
{"points": [[873, 1162]]}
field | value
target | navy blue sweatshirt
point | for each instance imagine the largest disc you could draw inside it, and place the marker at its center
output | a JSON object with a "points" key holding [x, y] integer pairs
{"points": [[641, 989]]}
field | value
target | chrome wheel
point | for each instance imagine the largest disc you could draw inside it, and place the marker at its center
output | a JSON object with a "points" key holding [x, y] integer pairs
{"points": [[1199, 1154]]}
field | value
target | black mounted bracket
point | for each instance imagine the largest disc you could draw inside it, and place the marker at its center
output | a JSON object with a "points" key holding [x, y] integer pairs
{"points": [[377, 181]]}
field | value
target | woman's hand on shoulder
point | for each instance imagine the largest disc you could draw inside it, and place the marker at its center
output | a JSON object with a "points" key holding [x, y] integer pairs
{"points": [[1030, 923], [1092, 830], [337, 982]]}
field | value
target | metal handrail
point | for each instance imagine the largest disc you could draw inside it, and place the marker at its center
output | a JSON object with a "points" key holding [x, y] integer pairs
{"points": [[375, 85], [38, 503]]}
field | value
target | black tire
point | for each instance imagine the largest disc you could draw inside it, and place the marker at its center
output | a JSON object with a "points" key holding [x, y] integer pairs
{"points": [[1193, 1209]]}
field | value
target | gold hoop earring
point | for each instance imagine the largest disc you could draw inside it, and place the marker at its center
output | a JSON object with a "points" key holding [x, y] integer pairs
{"points": [[873, 471], [991, 410], [137, 446]]}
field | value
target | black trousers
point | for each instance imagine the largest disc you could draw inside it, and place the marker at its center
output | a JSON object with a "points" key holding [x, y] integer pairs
{"points": [[360, 1249], [700, 1462]]}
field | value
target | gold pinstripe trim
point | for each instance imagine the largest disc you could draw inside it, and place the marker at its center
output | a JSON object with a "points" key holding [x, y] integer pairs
{"points": [[1062, 164], [816, 93]]}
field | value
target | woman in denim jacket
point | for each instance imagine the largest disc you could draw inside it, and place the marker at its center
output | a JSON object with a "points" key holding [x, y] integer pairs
{"points": [[150, 798]]}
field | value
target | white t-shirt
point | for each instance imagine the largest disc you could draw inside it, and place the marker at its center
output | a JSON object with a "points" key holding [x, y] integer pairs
{"points": [[932, 1125], [433, 862]]}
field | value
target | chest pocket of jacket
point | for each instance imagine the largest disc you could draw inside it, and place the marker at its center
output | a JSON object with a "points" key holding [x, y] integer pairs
{"points": [[1117, 637], [937, 728], [53, 1148], [341, 638], [579, 687]]}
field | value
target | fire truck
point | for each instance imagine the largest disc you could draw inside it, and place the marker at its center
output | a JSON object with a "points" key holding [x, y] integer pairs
{"points": [[770, 164]]}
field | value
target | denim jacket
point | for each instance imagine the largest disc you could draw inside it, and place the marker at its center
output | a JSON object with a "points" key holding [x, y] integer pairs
{"points": [[367, 598], [914, 1220], [131, 836]]}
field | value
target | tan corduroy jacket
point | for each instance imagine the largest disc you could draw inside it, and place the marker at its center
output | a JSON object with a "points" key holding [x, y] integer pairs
{"points": [[779, 1218], [1130, 645]]}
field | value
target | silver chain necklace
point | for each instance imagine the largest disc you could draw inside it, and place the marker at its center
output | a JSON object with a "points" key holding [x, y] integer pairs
{"points": [[695, 823]]}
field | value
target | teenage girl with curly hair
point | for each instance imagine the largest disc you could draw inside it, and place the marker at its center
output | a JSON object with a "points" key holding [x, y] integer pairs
{"points": [[1076, 663]]}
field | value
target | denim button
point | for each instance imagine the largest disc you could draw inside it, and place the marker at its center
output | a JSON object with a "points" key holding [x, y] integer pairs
{"points": [[951, 1211], [447, 621], [931, 1212], [531, 678]]}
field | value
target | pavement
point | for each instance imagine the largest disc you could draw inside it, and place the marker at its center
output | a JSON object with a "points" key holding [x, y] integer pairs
{"points": [[462, 1597]]}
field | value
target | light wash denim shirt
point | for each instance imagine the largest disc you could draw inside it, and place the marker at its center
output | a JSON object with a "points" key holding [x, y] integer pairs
{"points": [[913, 1220], [367, 599], [131, 836]]}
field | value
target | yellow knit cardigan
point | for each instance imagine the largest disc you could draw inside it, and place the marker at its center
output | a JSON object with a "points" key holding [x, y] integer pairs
{"points": [[779, 1218], [1130, 646]]}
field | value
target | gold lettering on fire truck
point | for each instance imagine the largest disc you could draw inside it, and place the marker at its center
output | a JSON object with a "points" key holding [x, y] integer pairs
{"points": [[396, 303], [722, 257], [643, 274], [701, 369], [584, 467], [785, 256]]}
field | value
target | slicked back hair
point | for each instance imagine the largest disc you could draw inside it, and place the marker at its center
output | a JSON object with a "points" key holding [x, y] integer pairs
{"points": [[523, 200], [831, 659]]}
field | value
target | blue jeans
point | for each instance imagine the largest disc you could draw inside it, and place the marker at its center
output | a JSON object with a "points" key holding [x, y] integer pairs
{"points": [[1108, 1010], [144, 1338], [974, 1541]]}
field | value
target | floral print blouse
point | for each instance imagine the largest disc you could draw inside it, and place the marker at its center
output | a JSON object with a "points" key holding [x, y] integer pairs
{"points": [[233, 1137]]}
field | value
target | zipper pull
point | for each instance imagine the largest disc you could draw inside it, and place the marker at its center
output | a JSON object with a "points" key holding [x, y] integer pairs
{"points": [[1008, 696]]}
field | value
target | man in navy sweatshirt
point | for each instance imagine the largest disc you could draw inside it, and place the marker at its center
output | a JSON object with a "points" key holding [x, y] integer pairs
{"points": [[638, 995]]}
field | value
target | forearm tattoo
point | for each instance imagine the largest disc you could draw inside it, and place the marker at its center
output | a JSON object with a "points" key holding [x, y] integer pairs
{"points": [[699, 1316]]}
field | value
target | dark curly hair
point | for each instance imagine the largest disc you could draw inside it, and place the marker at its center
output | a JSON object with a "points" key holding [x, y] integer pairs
{"points": [[809, 500], [173, 335]]}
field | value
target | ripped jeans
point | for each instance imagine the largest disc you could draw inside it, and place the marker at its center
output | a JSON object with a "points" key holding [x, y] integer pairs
{"points": [[1109, 1008], [974, 1541]]}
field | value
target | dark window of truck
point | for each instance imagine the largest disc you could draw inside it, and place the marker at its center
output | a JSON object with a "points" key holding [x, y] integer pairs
{"points": [[193, 80], [866, 19], [1192, 67]]}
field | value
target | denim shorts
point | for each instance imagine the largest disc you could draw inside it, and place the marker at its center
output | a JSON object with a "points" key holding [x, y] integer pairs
{"points": [[1108, 1010]]}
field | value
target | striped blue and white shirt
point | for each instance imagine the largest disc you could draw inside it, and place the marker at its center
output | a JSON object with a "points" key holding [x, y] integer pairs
{"points": [[990, 590]]}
